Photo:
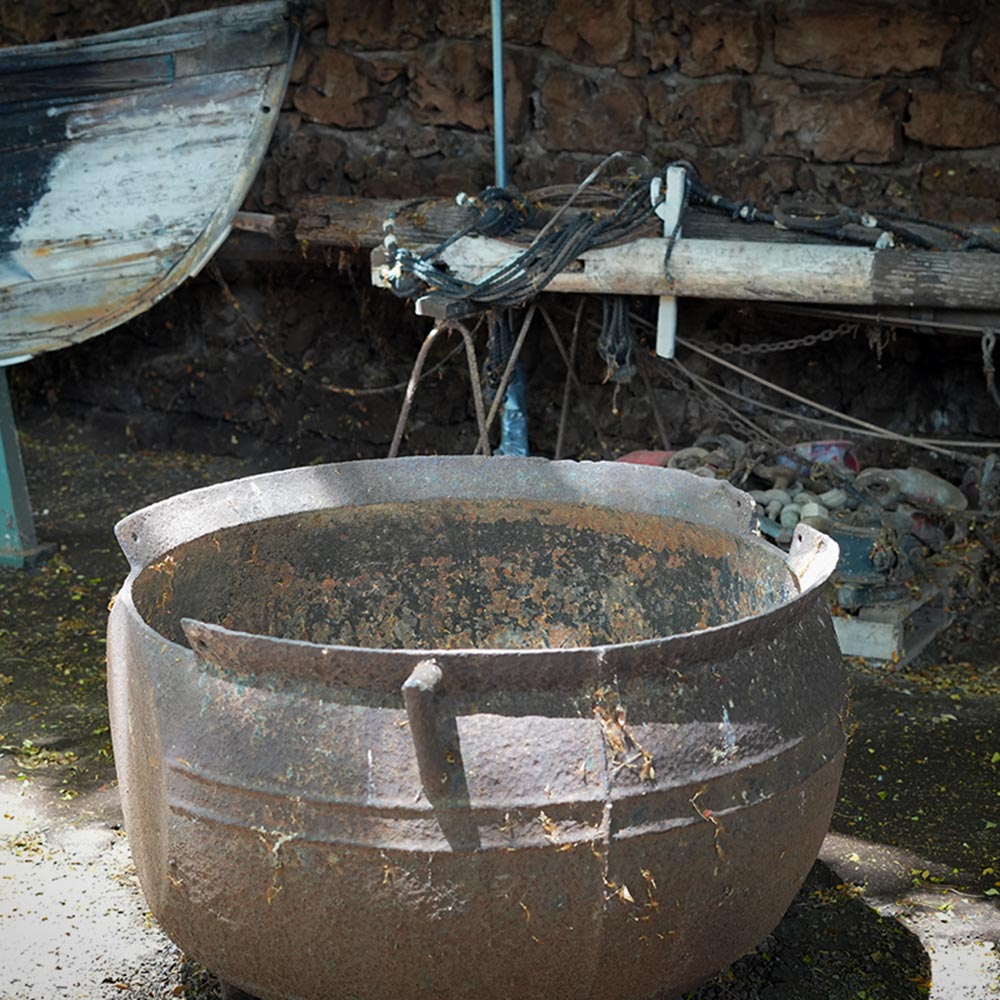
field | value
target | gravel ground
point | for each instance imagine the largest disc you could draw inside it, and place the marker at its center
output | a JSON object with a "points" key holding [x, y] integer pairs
{"points": [[903, 902]]}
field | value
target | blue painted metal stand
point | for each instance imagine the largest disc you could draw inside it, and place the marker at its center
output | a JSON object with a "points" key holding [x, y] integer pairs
{"points": [[18, 545]]}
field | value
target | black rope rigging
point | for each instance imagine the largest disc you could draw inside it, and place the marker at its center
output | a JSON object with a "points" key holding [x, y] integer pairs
{"points": [[618, 210], [500, 346], [616, 342], [889, 222], [521, 279]]}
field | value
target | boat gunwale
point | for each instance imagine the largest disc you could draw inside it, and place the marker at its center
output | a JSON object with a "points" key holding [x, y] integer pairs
{"points": [[17, 58], [218, 223]]}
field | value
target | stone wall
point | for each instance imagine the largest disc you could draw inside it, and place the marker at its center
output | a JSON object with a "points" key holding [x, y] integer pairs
{"points": [[876, 103]]}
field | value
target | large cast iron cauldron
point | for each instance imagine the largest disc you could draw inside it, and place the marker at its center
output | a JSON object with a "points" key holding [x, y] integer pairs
{"points": [[469, 728]]}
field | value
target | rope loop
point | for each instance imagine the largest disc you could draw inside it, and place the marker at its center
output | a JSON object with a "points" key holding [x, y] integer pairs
{"points": [[616, 342], [989, 341], [501, 212]]}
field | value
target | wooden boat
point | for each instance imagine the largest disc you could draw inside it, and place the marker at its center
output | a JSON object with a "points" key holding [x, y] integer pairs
{"points": [[123, 158]]}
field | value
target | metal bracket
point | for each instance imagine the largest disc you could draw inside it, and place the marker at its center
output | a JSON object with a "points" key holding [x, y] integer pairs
{"points": [[668, 208], [19, 547]]}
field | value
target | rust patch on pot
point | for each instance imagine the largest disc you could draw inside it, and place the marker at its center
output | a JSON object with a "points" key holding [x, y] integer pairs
{"points": [[452, 574]]}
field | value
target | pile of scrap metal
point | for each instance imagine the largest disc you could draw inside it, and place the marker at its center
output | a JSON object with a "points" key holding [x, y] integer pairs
{"points": [[885, 520], [891, 525]]}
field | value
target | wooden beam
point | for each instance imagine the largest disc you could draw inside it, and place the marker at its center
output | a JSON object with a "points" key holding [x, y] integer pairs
{"points": [[259, 222], [425, 222], [422, 223], [357, 222], [716, 259], [726, 269]]}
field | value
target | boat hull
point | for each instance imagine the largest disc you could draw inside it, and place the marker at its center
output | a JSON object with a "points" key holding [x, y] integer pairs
{"points": [[123, 158]]}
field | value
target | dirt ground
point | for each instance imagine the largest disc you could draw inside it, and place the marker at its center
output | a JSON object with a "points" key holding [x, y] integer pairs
{"points": [[903, 903]]}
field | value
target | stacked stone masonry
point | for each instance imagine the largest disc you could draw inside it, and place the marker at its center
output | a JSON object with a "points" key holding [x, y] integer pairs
{"points": [[809, 103]]}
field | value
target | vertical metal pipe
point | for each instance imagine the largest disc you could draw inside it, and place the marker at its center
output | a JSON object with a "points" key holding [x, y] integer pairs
{"points": [[514, 424], [499, 124]]}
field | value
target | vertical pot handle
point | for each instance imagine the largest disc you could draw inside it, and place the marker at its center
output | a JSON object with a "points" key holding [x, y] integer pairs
{"points": [[812, 557], [419, 690]]}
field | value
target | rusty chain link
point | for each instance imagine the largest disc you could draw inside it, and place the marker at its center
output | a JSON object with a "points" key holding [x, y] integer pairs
{"points": [[773, 347]]}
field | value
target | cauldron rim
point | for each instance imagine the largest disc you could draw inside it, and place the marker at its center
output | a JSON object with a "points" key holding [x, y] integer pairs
{"points": [[714, 503]]}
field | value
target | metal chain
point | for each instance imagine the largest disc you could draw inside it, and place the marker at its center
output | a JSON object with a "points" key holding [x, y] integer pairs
{"points": [[772, 347]]}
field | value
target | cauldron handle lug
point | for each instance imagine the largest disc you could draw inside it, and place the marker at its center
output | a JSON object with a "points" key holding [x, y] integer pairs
{"points": [[419, 690], [812, 556], [131, 534]]}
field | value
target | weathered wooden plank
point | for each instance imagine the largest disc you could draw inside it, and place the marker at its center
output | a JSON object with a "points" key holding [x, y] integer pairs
{"points": [[420, 223], [237, 47], [258, 222], [88, 257], [55, 82], [274, 242], [191, 53], [59, 309], [138, 163], [225, 105], [95, 233], [954, 280], [199, 101], [724, 269], [425, 222], [357, 222], [178, 34]]}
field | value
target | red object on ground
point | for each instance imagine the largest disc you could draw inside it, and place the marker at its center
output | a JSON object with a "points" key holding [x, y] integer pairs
{"points": [[659, 458], [839, 453]]}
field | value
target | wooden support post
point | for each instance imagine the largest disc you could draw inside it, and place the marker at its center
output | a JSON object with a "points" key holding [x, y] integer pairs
{"points": [[18, 545]]}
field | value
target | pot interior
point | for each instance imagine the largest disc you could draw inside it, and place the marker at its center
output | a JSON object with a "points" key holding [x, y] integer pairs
{"points": [[461, 574]]}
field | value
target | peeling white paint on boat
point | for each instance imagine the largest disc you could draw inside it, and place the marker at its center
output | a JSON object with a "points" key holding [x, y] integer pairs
{"points": [[139, 184], [109, 190]]}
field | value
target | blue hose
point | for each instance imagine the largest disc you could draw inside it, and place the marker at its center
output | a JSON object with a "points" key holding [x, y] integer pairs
{"points": [[514, 419]]}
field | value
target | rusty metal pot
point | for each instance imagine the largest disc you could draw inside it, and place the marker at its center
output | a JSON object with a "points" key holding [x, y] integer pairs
{"points": [[471, 727]]}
